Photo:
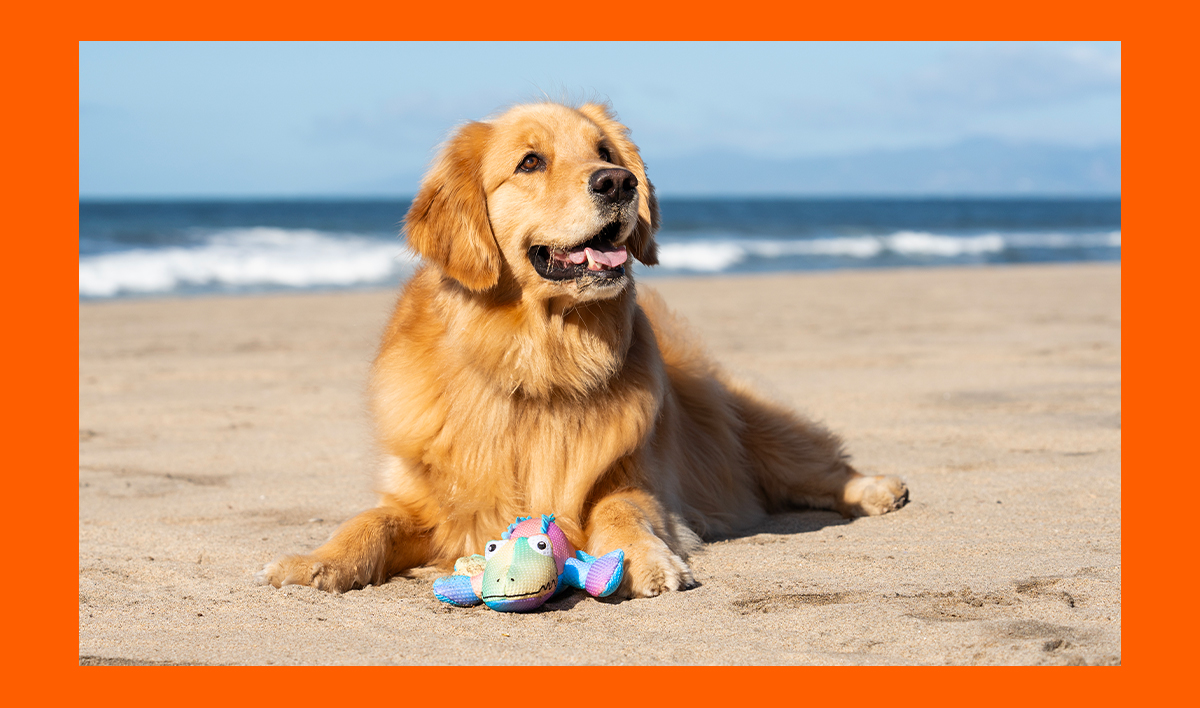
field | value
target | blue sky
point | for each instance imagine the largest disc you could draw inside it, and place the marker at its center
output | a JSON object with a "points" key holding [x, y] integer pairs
{"points": [[292, 119]]}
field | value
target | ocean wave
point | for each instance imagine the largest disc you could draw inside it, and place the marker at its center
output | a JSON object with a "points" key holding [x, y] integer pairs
{"points": [[720, 253], [245, 259]]}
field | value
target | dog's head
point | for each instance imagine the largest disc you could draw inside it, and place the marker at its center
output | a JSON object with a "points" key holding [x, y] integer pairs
{"points": [[554, 198]]}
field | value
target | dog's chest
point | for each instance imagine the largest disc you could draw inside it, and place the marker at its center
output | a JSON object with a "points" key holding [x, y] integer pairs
{"points": [[529, 439]]}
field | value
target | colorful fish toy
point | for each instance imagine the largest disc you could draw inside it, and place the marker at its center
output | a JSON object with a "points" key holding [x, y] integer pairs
{"points": [[531, 563]]}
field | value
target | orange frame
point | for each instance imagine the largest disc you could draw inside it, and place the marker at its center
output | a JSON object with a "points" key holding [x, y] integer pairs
{"points": [[41, 195]]}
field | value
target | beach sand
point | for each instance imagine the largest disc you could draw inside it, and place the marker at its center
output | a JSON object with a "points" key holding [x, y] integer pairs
{"points": [[217, 433]]}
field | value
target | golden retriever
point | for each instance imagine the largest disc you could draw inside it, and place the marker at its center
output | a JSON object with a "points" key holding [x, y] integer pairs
{"points": [[523, 373]]}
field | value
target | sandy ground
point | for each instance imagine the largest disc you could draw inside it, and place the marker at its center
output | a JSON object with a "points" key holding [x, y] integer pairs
{"points": [[216, 433]]}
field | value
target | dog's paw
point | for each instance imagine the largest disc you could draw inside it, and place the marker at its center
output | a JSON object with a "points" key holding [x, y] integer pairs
{"points": [[652, 569], [872, 496], [304, 570]]}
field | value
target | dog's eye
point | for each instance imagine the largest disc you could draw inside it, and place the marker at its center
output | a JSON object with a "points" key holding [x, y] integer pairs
{"points": [[530, 163], [605, 155], [541, 544]]}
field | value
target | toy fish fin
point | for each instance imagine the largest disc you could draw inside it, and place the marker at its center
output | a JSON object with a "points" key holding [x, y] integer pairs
{"points": [[456, 590]]}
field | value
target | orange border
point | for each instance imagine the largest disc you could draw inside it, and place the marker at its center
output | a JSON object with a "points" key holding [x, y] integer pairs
{"points": [[41, 193]]}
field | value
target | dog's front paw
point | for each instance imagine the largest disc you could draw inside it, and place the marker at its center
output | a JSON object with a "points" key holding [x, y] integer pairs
{"points": [[872, 496], [652, 569], [305, 570]]}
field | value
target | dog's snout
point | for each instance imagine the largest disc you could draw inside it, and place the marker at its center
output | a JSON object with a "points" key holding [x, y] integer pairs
{"points": [[613, 184]]}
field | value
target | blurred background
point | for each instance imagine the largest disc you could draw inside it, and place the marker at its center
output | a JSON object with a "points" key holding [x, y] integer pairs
{"points": [[243, 167]]}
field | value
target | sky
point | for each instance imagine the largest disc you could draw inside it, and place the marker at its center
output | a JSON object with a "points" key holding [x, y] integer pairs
{"points": [[341, 119]]}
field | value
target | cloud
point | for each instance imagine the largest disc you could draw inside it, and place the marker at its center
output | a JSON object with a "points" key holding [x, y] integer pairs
{"points": [[1013, 76], [1067, 94]]}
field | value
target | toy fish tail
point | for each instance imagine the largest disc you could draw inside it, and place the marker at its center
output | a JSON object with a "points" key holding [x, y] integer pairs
{"points": [[598, 576], [456, 590]]}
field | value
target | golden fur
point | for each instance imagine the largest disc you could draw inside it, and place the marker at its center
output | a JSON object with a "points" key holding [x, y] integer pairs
{"points": [[499, 393]]}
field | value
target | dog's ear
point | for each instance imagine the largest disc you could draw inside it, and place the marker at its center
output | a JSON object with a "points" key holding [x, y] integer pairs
{"points": [[641, 243], [447, 223]]}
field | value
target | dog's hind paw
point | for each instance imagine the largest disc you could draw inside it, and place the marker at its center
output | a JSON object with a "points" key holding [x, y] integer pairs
{"points": [[872, 496]]}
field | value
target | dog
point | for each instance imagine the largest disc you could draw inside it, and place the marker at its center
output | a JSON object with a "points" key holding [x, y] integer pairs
{"points": [[523, 373]]}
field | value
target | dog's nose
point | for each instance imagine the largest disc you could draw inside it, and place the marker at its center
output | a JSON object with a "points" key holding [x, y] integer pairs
{"points": [[613, 184]]}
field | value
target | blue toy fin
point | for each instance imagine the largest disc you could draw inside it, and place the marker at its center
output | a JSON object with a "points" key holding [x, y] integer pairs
{"points": [[574, 574], [456, 590]]}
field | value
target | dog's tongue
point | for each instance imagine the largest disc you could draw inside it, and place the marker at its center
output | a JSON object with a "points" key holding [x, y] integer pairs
{"points": [[598, 260]]}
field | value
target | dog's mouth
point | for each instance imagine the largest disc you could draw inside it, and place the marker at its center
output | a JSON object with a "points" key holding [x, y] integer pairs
{"points": [[598, 257]]}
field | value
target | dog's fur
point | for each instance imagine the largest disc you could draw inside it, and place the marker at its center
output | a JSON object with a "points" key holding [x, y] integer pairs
{"points": [[500, 393]]}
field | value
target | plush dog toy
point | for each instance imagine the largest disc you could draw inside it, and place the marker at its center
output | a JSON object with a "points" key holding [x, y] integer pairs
{"points": [[531, 563]]}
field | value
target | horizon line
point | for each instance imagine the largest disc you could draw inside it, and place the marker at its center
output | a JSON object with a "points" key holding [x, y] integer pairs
{"points": [[761, 196]]}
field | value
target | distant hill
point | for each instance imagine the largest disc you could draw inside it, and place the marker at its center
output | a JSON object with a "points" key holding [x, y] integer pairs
{"points": [[975, 167]]}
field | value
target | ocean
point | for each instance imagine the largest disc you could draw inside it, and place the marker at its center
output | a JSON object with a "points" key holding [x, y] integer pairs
{"points": [[156, 248]]}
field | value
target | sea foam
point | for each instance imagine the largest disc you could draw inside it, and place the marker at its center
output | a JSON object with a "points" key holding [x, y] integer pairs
{"points": [[715, 253], [247, 258]]}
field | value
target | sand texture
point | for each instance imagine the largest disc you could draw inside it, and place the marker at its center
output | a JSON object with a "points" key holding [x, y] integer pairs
{"points": [[216, 433]]}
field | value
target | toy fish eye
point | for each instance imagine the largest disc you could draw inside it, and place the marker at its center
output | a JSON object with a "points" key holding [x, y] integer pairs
{"points": [[541, 544], [491, 549]]}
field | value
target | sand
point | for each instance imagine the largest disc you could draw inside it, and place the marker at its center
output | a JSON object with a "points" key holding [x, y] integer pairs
{"points": [[218, 432]]}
